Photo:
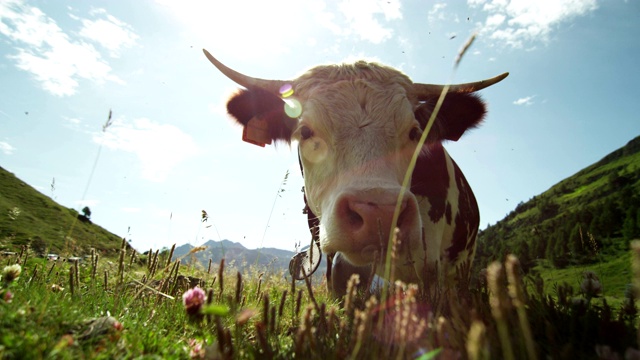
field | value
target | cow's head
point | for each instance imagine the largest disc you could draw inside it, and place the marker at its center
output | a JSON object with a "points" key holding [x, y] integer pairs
{"points": [[357, 126]]}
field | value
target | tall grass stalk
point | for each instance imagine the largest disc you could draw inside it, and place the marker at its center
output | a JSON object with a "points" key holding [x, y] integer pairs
{"points": [[72, 285], [414, 158], [476, 341], [170, 255], [120, 275], [51, 269], [498, 302], [516, 293], [77, 272], [221, 278]]}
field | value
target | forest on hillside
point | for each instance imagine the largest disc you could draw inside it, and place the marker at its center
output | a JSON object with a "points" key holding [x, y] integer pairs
{"points": [[595, 211]]}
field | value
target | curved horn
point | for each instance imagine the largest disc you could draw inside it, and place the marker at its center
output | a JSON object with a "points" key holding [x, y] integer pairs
{"points": [[272, 86], [431, 89]]}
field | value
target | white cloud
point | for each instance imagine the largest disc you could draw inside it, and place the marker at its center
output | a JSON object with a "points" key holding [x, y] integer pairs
{"points": [[362, 18], [6, 148], [520, 23], [527, 101], [495, 20], [159, 147], [131, 210], [437, 12], [54, 59], [325, 18], [109, 32], [72, 121]]}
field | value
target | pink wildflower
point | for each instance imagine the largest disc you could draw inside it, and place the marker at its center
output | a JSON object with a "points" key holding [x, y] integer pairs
{"points": [[7, 296], [196, 349], [193, 300]]}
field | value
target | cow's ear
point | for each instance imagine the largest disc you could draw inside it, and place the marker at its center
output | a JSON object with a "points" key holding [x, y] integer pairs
{"points": [[458, 113], [259, 110]]}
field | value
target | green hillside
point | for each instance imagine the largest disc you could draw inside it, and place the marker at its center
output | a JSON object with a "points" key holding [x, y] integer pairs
{"points": [[27, 217], [585, 220]]}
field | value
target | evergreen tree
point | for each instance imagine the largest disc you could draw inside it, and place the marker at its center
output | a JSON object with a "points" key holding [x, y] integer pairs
{"points": [[576, 242], [524, 255], [549, 252], [609, 220], [560, 250], [638, 221], [594, 229], [630, 225]]}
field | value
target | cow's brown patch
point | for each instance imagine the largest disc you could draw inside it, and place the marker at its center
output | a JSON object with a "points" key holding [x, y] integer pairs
{"points": [[467, 219], [430, 179]]}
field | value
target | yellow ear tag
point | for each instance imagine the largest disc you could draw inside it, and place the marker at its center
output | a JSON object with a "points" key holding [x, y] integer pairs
{"points": [[256, 132]]}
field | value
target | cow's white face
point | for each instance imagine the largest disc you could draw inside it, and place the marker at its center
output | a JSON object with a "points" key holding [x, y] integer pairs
{"points": [[356, 140]]}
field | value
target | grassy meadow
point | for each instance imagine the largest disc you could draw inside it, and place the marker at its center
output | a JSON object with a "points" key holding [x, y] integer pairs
{"points": [[137, 306]]}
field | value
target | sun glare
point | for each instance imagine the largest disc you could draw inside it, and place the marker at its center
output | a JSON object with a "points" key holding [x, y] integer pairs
{"points": [[246, 28]]}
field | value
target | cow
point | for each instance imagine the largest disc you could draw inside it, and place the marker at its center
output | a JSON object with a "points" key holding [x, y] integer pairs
{"points": [[357, 126]]}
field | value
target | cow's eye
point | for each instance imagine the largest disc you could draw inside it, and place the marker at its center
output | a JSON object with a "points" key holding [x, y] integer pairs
{"points": [[415, 133], [305, 133]]}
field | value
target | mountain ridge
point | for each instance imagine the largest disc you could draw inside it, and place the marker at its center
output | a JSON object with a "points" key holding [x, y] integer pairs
{"points": [[234, 253]]}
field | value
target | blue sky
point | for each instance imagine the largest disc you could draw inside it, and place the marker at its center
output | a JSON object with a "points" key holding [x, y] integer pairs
{"points": [[171, 150]]}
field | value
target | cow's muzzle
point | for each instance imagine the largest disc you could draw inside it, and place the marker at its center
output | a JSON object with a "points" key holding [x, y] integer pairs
{"points": [[364, 219]]}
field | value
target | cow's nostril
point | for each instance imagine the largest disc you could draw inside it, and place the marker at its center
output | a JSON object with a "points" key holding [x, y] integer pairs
{"points": [[355, 220]]}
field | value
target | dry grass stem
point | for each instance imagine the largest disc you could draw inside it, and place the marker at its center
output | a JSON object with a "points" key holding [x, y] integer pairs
{"points": [[173, 248], [106, 280], [518, 300], [464, 49], [307, 281], [238, 287], [221, 278], [72, 285], [349, 298], [498, 303]]}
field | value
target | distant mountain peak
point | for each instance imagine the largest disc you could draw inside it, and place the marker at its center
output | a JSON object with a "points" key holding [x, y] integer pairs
{"points": [[223, 243]]}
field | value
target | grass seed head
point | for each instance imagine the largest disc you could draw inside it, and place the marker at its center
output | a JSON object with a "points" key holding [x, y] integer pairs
{"points": [[476, 341]]}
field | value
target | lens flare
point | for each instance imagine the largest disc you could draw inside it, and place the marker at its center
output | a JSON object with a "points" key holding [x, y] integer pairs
{"points": [[292, 108], [286, 90]]}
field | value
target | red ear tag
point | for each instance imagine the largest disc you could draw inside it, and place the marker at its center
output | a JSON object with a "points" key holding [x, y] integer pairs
{"points": [[256, 132]]}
